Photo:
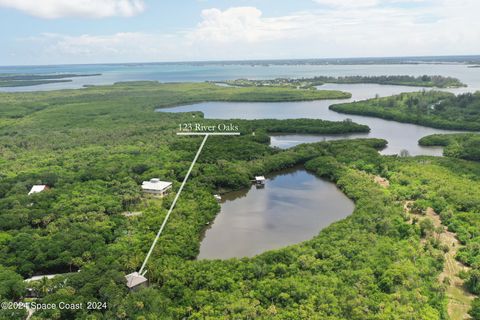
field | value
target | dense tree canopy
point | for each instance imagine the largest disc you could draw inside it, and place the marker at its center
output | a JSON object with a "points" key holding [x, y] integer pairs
{"points": [[459, 145], [404, 80], [429, 108], [95, 146]]}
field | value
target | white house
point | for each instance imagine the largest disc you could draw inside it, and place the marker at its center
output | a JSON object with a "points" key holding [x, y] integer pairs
{"points": [[37, 188], [38, 278], [260, 180], [135, 280], [156, 186]]}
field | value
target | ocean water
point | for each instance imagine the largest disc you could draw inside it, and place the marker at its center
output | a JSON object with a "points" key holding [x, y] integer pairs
{"points": [[194, 72]]}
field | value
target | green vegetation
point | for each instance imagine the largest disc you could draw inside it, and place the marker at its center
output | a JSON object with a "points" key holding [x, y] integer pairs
{"points": [[428, 108], [452, 188], [309, 126], [23, 80], [147, 95], [94, 146], [420, 81], [456, 145], [27, 83]]}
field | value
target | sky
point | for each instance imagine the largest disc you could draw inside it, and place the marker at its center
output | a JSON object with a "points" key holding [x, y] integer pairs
{"points": [[113, 31]]}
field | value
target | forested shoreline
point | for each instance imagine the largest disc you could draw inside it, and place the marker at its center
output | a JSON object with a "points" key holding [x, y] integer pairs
{"points": [[457, 145], [24, 80], [95, 146], [311, 83], [434, 109]]}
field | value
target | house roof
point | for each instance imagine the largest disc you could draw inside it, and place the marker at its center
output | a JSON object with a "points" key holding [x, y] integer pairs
{"points": [[37, 188], [37, 278], [155, 184], [259, 178], [134, 279]]}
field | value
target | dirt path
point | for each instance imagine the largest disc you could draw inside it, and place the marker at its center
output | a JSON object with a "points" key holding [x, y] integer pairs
{"points": [[381, 181], [458, 298]]}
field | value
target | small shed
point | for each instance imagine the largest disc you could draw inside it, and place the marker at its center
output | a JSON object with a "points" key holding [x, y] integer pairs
{"points": [[38, 188], [260, 180], [217, 197], [156, 186], [135, 281]]}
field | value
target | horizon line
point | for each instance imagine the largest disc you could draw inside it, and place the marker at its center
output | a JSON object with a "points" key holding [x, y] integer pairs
{"points": [[233, 61]]}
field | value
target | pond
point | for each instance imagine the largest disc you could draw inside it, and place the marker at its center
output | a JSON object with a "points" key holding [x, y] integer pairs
{"points": [[293, 207]]}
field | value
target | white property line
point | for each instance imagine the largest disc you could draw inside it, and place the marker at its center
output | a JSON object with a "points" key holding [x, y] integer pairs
{"points": [[173, 204], [208, 133]]}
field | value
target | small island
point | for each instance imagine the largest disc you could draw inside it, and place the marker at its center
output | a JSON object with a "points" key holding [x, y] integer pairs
{"points": [[298, 126], [305, 83], [24, 80]]}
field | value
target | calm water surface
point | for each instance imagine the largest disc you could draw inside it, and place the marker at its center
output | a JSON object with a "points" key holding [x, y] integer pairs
{"points": [[293, 207], [400, 136], [214, 72]]}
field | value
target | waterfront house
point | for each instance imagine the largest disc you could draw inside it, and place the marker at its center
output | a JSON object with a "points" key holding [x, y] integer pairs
{"points": [[260, 180]]}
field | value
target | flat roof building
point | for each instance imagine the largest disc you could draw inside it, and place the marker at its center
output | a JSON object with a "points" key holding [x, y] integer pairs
{"points": [[38, 278], [38, 188], [260, 179], [156, 186]]}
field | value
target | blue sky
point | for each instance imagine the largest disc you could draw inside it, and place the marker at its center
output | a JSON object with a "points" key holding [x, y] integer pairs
{"points": [[96, 31]]}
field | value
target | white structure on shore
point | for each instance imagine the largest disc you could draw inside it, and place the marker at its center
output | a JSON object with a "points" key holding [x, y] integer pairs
{"points": [[38, 188], [156, 186], [260, 180]]}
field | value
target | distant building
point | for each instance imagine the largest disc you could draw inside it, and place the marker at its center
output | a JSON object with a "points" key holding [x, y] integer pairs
{"points": [[135, 281], [157, 187], [38, 188]]}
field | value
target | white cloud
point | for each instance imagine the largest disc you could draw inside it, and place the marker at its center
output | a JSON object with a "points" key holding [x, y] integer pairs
{"points": [[359, 28], [238, 24], [118, 47], [51, 9], [449, 27]]}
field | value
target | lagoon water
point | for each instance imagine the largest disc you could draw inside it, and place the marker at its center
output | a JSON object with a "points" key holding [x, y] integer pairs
{"points": [[400, 136], [293, 207]]}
